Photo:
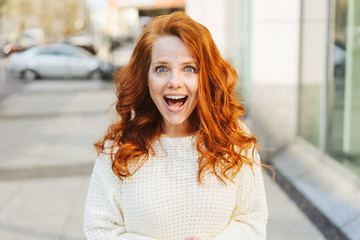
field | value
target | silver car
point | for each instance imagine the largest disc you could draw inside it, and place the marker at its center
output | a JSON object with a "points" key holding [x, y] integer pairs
{"points": [[55, 61]]}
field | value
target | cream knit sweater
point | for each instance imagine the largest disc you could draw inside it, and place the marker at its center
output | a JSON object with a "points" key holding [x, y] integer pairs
{"points": [[164, 201]]}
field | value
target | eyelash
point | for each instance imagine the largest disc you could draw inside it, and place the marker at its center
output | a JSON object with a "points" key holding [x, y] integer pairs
{"points": [[157, 69], [193, 68]]}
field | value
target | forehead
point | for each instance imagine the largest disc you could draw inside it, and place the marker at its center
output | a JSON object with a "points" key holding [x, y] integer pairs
{"points": [[170, 48]]}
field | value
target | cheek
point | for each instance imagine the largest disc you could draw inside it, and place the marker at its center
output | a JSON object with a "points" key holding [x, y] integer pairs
{"points": [[194, 86], [154, 86]]}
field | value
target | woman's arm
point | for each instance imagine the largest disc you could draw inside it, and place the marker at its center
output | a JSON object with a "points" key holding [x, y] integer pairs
{"points": [[103, 218], [249, 218]]}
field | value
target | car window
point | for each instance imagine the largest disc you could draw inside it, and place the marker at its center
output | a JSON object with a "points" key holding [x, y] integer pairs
{"points": [[83, 52], [68, 50], [46, 51], [63, 53], [62, 50], [77, 51]]}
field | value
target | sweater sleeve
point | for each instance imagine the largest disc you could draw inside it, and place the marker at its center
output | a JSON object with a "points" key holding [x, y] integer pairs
{"points": [[103, 217], [249, 217]]}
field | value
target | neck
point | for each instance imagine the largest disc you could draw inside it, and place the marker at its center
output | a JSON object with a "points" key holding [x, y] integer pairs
{"points": [[177, 131]]}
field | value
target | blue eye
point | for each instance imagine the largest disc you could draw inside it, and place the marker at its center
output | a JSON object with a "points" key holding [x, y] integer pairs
{"points": [[160, 69], [190, 69]]}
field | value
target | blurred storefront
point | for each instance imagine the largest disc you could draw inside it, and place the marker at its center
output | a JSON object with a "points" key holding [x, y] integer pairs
{"points": [[119, 22], [31, 23], [343, 116], [329, 110], [299, 67], [99, 26]]}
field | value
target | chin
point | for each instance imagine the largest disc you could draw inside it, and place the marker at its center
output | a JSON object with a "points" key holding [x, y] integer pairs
{"points": [[176, 121]]}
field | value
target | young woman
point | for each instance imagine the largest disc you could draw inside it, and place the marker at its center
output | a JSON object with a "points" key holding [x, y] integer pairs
{"points": [[178, 164]]}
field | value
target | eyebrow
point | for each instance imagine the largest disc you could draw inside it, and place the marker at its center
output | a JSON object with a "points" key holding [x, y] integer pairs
{"points": [[166, 62], [189, 62], [160, 62]]}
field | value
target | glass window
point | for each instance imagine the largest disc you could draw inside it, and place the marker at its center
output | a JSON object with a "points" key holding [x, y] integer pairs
{"points": [[309, 127], [343, 132], [239, 43]]}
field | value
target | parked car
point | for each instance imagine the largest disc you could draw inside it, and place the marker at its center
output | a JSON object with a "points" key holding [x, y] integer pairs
{"points": [[107, 70], [57, 61]]}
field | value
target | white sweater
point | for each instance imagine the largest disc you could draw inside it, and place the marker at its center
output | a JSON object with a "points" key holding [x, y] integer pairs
{"points": [[164, 201]]}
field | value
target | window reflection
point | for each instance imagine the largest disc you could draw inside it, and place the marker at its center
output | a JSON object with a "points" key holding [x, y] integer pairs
{"points": [[343, 119]]}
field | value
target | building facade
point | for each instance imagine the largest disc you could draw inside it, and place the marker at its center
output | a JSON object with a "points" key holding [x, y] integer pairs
{"points": [[299, 67], [21, 19]]}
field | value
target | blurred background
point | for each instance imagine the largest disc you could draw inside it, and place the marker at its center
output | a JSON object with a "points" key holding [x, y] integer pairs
{"points": [[299, 70]]}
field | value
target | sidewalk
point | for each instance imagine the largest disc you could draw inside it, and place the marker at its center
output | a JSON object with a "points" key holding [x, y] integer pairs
{"points": [[46, 157]]}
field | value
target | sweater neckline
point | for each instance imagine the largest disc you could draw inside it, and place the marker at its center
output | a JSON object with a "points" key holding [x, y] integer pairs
{"points": [[177, 140]]}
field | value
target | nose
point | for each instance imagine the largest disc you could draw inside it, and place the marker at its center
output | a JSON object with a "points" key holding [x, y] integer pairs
{"points": [[175, 80]]}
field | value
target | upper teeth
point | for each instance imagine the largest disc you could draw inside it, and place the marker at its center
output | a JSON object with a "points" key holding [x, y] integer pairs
{"points": [[175, 97]]}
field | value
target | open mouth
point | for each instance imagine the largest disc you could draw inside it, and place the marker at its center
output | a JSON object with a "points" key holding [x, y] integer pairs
{"points": [[175, 101]]}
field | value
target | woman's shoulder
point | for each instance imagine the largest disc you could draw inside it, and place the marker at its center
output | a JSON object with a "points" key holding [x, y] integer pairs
{"points": [[108, 148], [103, 168], [104, 159], [244, 126], [108, 145]]}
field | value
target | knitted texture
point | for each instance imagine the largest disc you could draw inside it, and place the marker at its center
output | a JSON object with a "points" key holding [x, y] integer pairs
{"points": [[164, 201]]}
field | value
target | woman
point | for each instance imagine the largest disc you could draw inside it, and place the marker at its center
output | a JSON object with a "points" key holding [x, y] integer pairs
{"points": [[178, 164]]}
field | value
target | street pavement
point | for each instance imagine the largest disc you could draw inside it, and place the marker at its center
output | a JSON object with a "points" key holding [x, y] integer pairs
{"points": [[47, 129]]}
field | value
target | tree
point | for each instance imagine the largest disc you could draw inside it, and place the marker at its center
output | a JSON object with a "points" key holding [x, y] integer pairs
{"points": [[2, 2]]}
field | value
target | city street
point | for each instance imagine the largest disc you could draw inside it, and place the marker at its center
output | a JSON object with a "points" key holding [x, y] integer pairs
{"points": [[47, 129], [8, 82]]}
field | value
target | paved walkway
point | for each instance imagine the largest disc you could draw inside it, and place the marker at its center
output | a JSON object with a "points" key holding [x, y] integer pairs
{"points": [[47, 129]]}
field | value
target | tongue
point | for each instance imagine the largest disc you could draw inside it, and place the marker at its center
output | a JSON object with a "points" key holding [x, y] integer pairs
{"points": [[175, 102]]}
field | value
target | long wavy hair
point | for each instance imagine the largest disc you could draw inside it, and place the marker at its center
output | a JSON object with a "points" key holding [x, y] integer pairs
{"points": [[223, 143]]}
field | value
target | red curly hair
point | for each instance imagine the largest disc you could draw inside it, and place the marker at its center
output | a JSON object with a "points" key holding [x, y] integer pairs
{"points": [[223, 143]]}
